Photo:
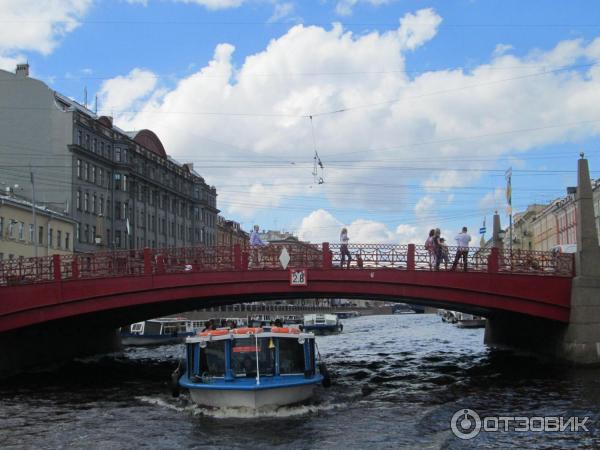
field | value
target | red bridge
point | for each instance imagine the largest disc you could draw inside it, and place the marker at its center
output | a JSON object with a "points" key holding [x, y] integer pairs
{"points": [[121, 287]]}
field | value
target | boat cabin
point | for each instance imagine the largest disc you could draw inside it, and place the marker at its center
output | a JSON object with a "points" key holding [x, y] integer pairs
{"points": [[226, 355]]}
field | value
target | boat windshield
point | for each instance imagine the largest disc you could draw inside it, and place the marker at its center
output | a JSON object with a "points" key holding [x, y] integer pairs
{"points": [[243, 357], [291, 356], [212, 359]]}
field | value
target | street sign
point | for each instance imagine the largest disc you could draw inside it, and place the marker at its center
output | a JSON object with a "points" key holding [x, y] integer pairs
{"points": [[298, 277], [482, 230]]}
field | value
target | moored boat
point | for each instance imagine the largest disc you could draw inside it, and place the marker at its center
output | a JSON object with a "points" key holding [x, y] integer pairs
{"points": [[251, 367], [164, 330], [348, 314], [322, 323], [470, 321]]}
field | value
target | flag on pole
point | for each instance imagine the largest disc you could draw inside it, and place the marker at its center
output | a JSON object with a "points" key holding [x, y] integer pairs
{"points": [[508, 176], [482, 230]]}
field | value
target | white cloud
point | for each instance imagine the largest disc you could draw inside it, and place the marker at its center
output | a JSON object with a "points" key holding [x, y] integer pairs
{"points": [[282, 10], [416, 29], [121, 93], [501, 49], [247, 122], [322, 226], [31, 25], [215, 4], [344, 7], [493, 201], [424, 206]]}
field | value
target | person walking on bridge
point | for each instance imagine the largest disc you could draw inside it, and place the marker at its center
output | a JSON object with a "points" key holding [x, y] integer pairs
{"points": [[344, 248], [462, 241], [255, 243]]}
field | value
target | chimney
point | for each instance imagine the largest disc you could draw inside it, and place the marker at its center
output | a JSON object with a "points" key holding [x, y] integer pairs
{"points": [[190, 166], [22, 70]]}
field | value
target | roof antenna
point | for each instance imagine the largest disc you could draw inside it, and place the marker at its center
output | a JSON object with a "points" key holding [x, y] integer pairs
{"points": [[317, 161]]}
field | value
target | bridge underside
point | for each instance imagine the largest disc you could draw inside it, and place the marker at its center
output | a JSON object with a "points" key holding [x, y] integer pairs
{"points": [[118, 301]]}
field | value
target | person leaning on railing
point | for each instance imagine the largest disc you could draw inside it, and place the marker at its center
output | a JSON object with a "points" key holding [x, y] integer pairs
{"points": [[462, 241]]}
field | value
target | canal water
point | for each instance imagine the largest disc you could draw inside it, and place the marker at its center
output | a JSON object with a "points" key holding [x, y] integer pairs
{"points": [[398, 380]]}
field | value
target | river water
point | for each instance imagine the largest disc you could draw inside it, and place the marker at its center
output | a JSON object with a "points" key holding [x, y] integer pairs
{"points": [[398, 380]]}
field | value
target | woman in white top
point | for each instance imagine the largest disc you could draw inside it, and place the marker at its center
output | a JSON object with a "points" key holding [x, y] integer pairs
{"points": [[344, 248]]}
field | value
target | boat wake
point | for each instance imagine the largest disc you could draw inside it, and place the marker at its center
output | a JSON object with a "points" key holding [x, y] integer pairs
{"points": [[241, 412], [265, 412]]}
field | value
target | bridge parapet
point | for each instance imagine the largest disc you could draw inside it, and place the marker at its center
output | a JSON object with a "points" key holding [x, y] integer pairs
{"points": [[147, 262]]}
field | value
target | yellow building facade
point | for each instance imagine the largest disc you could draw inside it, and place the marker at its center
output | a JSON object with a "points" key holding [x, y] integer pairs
{"points": [[55, 232]]}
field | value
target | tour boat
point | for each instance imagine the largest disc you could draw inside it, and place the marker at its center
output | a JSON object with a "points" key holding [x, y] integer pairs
{"points": [[469, 321], [322, 323], [348, 314], [164, 330], [250, 367]]}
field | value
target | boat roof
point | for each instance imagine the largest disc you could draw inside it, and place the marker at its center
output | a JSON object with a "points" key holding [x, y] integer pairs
{"points": [[260, 335]]}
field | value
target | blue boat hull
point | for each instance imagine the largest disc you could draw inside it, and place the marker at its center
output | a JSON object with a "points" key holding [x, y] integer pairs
{"points": [[272, 391]]}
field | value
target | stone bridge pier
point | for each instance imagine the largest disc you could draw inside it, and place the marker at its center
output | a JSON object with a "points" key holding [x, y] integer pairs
{"points": [[577, 342]]}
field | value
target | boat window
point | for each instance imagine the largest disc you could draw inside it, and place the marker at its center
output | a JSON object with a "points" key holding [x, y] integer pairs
{"points": [[212, 359], [152, 327], [137, 327], [291, 356], [243, 357], [171, 328]]}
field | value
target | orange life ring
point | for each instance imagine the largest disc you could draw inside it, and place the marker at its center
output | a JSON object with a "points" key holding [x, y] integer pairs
{"points": [[247, 330], [285, 330], [214, 333]]}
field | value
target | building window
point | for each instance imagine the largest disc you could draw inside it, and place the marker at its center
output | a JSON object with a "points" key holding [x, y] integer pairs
{"points": [[50, 233], [86, 202], [94, 210], [1, 227], [40, 236], [101, 176], [78, 137], [118, 239], [94, 142], [67, 241], [78, 232], [58, 238], [101, 205], [94, 234], [94, 174], [117, 181], [87, 141], [118, 154], [117, 210], [86, 233], [124, 183], [31, 233], [11, 228], [78, 200], [78, 168], [21, 231]]}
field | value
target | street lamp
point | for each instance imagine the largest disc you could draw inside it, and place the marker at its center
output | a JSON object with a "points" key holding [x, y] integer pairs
{"points": [[501, 235]]}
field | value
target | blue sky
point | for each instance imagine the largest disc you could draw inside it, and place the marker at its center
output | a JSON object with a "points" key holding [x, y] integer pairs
{"points": [[418, 107]]}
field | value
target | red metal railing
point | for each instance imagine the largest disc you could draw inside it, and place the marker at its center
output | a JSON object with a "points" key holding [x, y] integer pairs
{"points": [[417, 257], [238, 258]]}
